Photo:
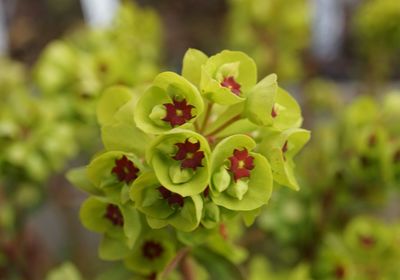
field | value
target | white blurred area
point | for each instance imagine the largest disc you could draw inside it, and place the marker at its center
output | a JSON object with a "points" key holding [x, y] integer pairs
{"points": [[99, 13]]}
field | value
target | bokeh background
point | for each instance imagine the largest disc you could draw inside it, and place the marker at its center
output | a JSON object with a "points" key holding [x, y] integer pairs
{"points": [[339, 58]]}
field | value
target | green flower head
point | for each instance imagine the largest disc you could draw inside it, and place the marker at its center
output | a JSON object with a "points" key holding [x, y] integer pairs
{"points": [[227, 77], [119, 224], [280, 148], [170, 102], [113, 172], [152, 252], [240, 179], [180, 161], [163, 207]]}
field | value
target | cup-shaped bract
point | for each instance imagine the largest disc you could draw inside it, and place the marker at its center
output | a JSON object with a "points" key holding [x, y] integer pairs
{"points": [[170, 102], [120, 225], [280, 148], [260, 101], [163, 207], [113, 172], [241, 180], [152, 252], [227, 77], [180, 160], [286, 111]]}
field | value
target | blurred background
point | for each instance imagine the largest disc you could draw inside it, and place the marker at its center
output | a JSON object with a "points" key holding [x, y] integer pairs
{"points": [[339, 58]]}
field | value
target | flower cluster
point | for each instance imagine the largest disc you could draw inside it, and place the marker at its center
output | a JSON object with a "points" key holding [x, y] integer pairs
{"points": [[192, 151]]}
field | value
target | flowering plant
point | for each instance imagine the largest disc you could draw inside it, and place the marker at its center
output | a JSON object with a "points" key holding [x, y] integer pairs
{"points": [[190, 153]]}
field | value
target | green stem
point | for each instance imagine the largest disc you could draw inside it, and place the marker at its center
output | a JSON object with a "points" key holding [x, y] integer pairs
{"points": [[225, 125], [174, 263], [206, 117]]}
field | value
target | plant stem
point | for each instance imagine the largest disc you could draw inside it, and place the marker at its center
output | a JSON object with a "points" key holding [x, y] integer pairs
{"points": [[174, 263], [206, 117], [186, 269], [225, 125]]}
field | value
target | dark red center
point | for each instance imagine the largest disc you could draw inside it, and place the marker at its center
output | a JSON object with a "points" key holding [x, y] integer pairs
{"points": [[367, 241], [114, 215], [189, 155], [229, 82], [206, 192], [152, 250], [396, 156], [125, 170], [340, 272], [173, 199], [178, 112], [274, 114], [241, 164], [284, 149]]}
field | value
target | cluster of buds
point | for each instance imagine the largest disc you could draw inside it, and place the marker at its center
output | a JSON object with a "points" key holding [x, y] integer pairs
{"points": [[190, 152]]}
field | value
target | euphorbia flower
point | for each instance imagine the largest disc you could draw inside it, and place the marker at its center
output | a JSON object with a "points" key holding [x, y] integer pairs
{"points": [[172, 198], [227, 77], [125, 170], [241, 164], [179, 159], [152, 249], [152, 252], [229, 82], [119, 224], [163, 207], [189, 155], [170, 102], [251, 185], [280, 148], [178, 112], [114, 215]]}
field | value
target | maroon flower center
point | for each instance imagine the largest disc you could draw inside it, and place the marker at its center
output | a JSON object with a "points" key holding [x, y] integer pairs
{"points": [[367, 241], [152, 250], [178, 112], [206, 192], [125, 170], [241, 164], [274, 113], [114, 215], [340, 272], [189, 155], [396, 156], [229, 82], [284, 149], [173, 199]]}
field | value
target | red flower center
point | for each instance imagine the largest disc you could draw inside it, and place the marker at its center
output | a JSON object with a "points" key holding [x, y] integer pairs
{"points": [[229, 82], [340, 272], [274, 113], [178, 112], [284, 149], [114, 215], [125, 170], [241, 164], [189, 155], [173, 199], [152, 250], [367, 241]]}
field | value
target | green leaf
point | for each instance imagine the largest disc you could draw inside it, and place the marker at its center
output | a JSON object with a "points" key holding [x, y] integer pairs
{"points": [[110, 102], [260, 101], [79, 179], [192, 62], [67, 271], [111, 249], [288, 111]]}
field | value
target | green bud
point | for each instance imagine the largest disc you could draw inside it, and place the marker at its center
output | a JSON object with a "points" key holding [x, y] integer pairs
{"points": [[238, 189], [221, 179]]}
